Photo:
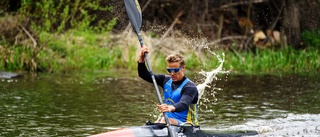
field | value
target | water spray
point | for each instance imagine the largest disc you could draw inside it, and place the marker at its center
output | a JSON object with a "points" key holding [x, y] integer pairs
{"points": [[211, 75]]}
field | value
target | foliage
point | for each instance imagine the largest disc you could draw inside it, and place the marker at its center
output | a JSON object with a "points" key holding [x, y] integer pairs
{"points": [[193, 61], [42, 36], [18, 57], [56, 35], [284, 61], [80, 50], [312, 38], [59, 15]]}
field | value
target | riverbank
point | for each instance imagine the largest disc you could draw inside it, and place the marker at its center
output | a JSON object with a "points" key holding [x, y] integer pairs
{"points": [[88, 51]]}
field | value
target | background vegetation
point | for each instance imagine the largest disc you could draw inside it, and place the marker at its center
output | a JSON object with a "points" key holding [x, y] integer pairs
{"points": [[257, 36]]}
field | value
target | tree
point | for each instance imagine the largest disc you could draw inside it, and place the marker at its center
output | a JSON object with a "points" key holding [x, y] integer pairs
{"points": [[292, 23]]}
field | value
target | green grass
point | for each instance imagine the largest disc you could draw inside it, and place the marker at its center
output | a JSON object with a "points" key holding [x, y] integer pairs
{"points": [[70, 39], [284, 61], [78, 50]]}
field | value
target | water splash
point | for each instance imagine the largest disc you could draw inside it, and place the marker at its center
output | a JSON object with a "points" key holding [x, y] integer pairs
{"points": [[211, 75]]}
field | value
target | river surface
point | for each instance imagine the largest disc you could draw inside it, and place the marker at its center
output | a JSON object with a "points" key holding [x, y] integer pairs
{"points": [[91, 103]]}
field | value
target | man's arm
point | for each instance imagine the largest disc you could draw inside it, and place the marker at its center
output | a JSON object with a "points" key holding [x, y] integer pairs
{"points": [[187, 97], [144, 73]]}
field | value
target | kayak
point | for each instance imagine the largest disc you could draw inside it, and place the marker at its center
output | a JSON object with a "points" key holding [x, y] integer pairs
{"points": [[161, 130]]}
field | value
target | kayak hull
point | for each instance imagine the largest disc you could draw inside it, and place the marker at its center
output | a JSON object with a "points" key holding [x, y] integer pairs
{"points": [[182, 131]]}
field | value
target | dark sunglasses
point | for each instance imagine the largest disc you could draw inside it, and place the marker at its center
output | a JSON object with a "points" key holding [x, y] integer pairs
{"points": [[175, 70]]}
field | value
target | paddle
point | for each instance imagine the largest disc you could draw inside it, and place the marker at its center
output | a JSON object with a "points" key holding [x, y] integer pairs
{"points": [[135, 17]]}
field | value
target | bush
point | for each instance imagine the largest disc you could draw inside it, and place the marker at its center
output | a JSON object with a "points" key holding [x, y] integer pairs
{"points": [[311, 38], [38, 38], [58, 16]]}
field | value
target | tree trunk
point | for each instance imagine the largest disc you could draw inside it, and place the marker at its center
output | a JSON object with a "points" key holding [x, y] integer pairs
{"points": [[292, 22]]}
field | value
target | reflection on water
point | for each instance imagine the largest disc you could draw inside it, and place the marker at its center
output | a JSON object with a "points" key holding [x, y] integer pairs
{"points": [[84, 104]]}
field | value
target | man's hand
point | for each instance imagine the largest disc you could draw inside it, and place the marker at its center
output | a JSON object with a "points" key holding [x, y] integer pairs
{"points": [[166, 108], [143, 50]]}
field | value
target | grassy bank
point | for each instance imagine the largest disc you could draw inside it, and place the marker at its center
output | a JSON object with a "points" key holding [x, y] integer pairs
{"points": [[52, 36], [284, 61], [86, 51]]}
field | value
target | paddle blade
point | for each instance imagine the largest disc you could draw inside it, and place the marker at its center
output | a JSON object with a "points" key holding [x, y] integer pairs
{"points": [[134, 13]]}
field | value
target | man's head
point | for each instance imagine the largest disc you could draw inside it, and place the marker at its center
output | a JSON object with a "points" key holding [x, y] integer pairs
{"points": [[176, 66]]}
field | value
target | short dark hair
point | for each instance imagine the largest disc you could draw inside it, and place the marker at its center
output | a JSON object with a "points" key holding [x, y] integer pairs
{"points": [[175, 58]]}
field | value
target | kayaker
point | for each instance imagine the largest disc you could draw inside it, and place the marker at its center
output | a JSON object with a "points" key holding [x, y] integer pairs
{"points": [[180, 93]]}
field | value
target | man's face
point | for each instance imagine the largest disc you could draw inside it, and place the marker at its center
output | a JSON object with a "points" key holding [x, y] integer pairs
{"points": [[176, 71]]}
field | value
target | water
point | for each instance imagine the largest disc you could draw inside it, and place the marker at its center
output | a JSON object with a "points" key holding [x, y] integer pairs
{"points": [[91, 103], [274, 106]]}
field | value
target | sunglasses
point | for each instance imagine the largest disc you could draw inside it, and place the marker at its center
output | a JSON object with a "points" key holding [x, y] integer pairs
{"points": [[175, 70]]}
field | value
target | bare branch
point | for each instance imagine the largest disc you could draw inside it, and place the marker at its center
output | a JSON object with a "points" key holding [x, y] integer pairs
{"points": [[227, 38], [171, 26], [242, 3], [30, 36]]}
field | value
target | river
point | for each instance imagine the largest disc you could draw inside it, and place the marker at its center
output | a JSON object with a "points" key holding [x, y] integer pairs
{"points": [[83, 104]]}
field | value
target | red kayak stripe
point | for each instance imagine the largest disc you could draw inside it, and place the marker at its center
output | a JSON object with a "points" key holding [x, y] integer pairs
{"points": [[126, 132]]}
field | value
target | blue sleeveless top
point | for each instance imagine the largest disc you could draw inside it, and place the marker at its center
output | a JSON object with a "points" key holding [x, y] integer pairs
{"points": [[173, 96]]}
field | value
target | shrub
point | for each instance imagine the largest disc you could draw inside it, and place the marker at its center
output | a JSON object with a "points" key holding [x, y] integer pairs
{"points": [[311, 38]]}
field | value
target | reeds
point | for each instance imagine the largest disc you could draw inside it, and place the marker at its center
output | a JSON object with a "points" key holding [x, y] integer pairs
{"points": [[284, 61]]}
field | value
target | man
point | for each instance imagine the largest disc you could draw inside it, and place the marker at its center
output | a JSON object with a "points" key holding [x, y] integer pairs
{"points": [[180, 94]]}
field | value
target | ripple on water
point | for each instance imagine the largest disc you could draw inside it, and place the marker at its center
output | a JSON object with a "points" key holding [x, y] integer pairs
{"points": [[292, 125]]}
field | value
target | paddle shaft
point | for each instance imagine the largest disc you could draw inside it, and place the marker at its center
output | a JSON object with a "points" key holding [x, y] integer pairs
{"points": [[135, 17], [153, 78]]}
